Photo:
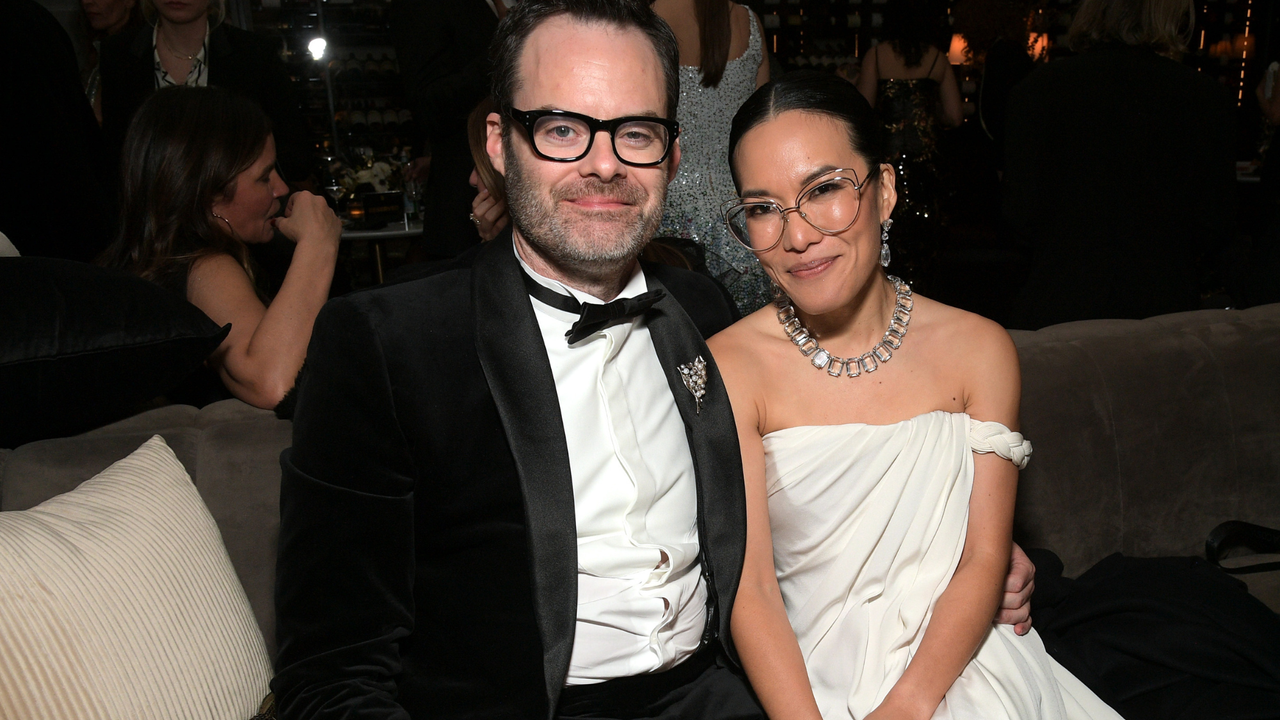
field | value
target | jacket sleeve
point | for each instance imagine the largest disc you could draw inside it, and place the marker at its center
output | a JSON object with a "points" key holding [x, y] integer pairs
{"points": [[345, 570]]}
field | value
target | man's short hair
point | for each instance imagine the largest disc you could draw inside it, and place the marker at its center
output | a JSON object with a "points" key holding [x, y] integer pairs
{"points": [[527, 15]]}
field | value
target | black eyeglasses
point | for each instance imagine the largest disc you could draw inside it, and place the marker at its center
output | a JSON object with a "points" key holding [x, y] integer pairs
{"points": [[563, 136]]}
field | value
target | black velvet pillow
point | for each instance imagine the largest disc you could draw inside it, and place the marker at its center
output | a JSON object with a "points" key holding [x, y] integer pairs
{"points": [[81, 346]]}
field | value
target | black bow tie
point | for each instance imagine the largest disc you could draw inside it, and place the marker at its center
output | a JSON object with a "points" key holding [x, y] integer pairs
{"points": [[592, 317]]}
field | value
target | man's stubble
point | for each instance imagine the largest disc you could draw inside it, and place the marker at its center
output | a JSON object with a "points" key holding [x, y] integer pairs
{"points": [[578, 245]]}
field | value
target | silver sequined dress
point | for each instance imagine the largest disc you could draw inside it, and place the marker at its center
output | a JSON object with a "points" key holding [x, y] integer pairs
{"points": [[703, 182]]}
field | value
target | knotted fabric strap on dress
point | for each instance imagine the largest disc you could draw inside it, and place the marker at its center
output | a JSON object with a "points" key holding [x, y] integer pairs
{"points": [[992, 437], [592, 317]]}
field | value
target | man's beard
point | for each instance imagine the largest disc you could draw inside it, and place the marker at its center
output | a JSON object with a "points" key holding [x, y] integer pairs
{"points": [[593, 243]]}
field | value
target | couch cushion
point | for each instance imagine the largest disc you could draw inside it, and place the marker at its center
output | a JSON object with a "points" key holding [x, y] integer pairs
{"points": [[119, 600], [1148, 433], [86, 345], [232, 451]]}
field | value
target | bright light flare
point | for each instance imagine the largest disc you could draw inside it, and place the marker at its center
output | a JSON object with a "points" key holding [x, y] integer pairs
{"points": [[316, 48]]}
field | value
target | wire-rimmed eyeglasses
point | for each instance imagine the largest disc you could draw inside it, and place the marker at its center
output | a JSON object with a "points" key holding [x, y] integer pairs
{"points": [[830, 204], [563, 136]]}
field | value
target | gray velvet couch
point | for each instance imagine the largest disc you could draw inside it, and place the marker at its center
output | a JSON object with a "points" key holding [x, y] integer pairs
{"points": [[1147, 434]]}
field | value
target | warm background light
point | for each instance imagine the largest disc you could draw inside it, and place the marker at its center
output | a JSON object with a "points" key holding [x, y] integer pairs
{"points": [[959, 50], [1039, 46]]}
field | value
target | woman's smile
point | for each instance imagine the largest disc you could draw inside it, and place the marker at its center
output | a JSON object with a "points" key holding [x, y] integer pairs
{"points": [[812, 268]]}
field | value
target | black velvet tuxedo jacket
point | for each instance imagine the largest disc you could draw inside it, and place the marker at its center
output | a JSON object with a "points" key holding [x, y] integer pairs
{"points": [[428, 540]]}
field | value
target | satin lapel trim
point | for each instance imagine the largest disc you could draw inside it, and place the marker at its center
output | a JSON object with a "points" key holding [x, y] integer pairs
{"points": [[713, 440], [516, 366]]}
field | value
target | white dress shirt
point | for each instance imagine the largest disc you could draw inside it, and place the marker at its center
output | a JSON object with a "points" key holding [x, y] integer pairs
{"points": [[642, 604]]}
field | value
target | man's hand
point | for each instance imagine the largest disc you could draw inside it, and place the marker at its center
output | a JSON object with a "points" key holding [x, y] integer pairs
{"points": [[1015, 606]]}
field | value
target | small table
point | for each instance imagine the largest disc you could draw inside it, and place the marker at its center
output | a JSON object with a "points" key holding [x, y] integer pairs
{"points": [[405, 229]]}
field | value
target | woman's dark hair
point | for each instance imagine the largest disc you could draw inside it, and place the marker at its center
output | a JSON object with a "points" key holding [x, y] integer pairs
{"points": [[527, 15], [818, 93], [183, 151], [714, 34], [911, 26]]}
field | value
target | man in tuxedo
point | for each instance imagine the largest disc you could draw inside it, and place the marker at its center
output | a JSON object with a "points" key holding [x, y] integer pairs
{"points": [[503, 499]]}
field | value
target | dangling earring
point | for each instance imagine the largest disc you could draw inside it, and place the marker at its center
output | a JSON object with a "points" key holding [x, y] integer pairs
{"points": [[884, 242], [233, 232]]}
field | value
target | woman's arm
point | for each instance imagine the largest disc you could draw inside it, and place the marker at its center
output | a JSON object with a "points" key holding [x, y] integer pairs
{"points": [[952, 109], [762, 633], [962, 616], [868, 76], [260, 359]]}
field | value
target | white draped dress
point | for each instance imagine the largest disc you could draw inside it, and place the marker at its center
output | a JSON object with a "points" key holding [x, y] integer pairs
{"points": [[868, 525]]}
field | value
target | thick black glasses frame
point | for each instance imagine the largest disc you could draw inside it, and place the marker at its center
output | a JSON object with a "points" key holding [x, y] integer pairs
{"points": [[529, 118]]}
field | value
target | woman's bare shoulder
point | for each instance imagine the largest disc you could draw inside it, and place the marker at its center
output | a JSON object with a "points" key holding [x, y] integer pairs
{"points": [[971, 340], [218, 285], [737, 348], [215, 264], [748, 329], [215, 272]]}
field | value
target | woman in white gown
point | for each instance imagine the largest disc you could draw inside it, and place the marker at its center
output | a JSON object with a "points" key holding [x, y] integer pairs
{"points": [[881, 466]]}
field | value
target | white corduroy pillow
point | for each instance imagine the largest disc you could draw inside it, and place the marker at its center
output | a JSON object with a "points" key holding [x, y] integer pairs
{"points": [[118, 600]]}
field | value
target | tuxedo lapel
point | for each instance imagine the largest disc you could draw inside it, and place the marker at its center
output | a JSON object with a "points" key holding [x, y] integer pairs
{"points": [[518, 371], [713, 440]]}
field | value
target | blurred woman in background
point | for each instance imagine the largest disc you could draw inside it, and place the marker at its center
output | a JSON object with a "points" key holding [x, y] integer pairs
{"points": [[198, 186], [106, 18], [722, 61], [185, 42], [909, 82]]}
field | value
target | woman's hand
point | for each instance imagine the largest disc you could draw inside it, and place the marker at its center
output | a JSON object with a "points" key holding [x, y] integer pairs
{"points": [[487, 212], [308, 219], [889, 711]]}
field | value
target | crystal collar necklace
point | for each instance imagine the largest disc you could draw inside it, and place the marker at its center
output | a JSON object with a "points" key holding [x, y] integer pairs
{"points": [[867, 362]]}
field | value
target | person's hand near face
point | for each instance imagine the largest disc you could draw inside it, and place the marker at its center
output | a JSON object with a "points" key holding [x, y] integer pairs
{"points": [[487, 212], [260, 358], [308, 218]]}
